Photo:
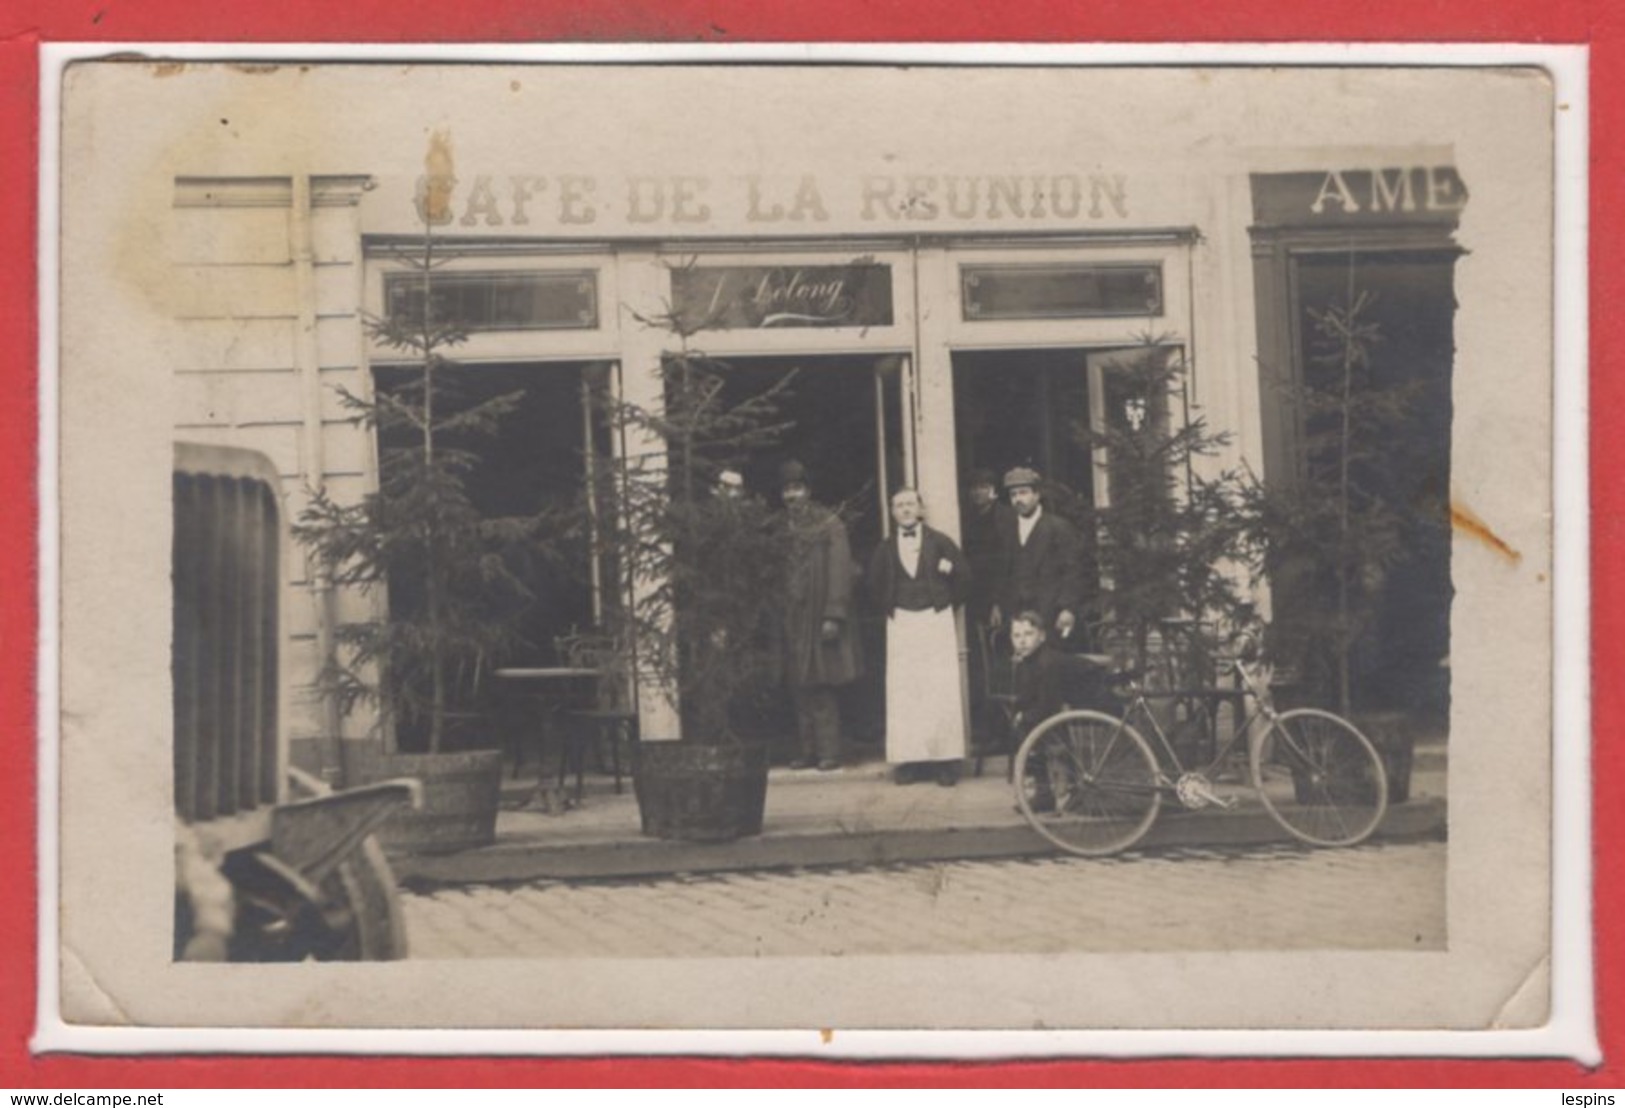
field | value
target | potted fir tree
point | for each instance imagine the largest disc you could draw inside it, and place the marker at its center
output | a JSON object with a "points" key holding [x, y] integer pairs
{"points": [[453, 604], [1169, 539], [1328, 539], [701, 566]]}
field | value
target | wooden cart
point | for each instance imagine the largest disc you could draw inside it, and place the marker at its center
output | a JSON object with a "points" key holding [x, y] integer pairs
{"points": [[271, 864]]}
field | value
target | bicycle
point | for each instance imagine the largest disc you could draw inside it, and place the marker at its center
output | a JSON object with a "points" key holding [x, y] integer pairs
{"points": [[1092, 785]]}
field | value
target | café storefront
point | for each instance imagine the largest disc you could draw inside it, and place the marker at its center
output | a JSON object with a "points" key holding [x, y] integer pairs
{"points": [[940, 321]]}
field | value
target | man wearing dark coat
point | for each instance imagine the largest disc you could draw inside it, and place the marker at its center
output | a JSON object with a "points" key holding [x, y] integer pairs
{"points": [[985, 519], [983, 523], [820, 637], [1040, 563]]}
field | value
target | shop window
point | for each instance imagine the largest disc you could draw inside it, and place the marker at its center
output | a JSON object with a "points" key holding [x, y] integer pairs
{"points": [[503, 301], [1354, 273], [1393, 434], [757, 297], [1095, 291]]}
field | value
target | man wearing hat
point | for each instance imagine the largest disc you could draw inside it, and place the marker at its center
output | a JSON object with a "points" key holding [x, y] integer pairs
{"points": [[1040, 566], [983, 523], [820, 639], [985, 520]]}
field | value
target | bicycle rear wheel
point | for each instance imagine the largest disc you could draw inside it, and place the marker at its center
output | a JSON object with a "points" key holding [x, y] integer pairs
{"points": [[1087, 783], [1320, 778]]}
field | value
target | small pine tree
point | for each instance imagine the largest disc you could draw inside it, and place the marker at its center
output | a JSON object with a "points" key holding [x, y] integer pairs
{"points": [[1328, 539], [702, 571], [453, 603], [1169, 540]]}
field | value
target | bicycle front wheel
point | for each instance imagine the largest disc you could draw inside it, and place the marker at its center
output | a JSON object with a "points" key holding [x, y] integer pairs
{"points": [[1320, 778], [1087, 783]]}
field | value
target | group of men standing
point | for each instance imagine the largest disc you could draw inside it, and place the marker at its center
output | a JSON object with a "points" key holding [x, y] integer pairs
{"points": [[1018, 559]]}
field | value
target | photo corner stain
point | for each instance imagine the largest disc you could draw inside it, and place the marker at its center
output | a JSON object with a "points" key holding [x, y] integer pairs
{"points": [[1465, 521], [826, 1035]]}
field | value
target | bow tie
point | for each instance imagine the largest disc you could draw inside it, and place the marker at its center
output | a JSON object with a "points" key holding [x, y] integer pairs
{"points": [[910, 532]]}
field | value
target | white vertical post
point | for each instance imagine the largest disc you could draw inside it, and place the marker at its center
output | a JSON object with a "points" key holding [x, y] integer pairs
{"points": [[882, 478], [644, 292], [312, 453], [909, 412], [589, 455], [929, 407], [930, 410]]}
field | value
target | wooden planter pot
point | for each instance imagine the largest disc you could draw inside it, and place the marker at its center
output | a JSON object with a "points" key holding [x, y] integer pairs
{"points": [[1391, 734], [461, 793], [697, 793]]}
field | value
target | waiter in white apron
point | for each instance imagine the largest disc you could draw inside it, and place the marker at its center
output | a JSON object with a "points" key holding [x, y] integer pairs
{"points": [[918, 577]]}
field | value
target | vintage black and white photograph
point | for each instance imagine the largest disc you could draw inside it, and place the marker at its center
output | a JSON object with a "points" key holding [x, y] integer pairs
{"points": [[811, 545]]}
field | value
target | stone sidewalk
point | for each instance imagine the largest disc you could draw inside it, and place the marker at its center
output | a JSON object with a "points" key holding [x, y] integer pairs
{"points": [[854, 816], [1380, 896]]}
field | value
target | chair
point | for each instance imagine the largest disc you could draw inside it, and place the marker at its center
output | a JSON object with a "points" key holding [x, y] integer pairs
{"points": [[1085, 684], [607, 714], [998, 702]]}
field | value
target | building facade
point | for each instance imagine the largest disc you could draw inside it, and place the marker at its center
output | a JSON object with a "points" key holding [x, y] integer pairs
{"points": [[955, 291]]}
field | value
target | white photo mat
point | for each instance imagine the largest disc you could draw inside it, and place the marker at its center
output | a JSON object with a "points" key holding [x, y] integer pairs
{"points": [[1515, 979]]}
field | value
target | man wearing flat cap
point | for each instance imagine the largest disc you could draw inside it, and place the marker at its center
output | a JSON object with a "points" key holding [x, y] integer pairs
{"points": [[1040, 563], [820, 639]]}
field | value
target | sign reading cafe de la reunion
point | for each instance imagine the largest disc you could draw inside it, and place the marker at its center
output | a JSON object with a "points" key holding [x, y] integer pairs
{"points": [[570, 199]]}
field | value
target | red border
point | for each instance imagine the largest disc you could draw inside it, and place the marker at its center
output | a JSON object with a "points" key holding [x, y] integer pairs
{"points": [[28, 24]]}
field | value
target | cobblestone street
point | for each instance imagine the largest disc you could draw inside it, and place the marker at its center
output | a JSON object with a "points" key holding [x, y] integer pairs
{"points": [[1380, 896]]}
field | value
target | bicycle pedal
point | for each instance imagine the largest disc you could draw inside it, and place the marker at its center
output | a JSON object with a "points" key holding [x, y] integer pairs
{"points": [[1196, 792]]}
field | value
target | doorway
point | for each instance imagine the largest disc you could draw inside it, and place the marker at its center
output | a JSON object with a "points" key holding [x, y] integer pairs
{"points": [[843, 421], [534, 464], [1027, 408]]}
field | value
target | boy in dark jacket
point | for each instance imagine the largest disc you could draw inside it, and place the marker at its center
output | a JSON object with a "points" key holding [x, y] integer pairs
{"points": [[1039, 685], [1039, 688]]}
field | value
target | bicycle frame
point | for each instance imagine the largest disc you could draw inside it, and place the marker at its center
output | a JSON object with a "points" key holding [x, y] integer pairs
{"points": [[1141, 699]]}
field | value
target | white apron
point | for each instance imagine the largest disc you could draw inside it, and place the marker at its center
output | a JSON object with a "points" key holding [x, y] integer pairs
{"points": [[924, 719]]}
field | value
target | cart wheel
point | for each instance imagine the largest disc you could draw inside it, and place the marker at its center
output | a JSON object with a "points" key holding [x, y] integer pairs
{"points": [[378, 931], [367, 924], [352, 915]]}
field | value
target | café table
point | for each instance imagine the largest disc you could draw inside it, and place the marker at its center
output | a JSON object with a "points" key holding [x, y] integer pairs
{"points": [[553, 690]]}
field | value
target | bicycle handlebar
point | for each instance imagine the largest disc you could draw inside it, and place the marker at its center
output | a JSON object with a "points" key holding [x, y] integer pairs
{"points": [[1127, 680]]}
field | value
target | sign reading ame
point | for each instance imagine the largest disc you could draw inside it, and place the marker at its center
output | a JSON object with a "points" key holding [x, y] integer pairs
{"points": [[753, 297], [1351, 197]]}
